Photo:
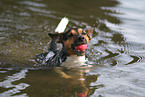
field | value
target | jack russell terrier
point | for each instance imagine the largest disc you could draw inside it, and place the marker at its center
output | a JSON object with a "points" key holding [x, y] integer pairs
{"points": [[72, 55]]}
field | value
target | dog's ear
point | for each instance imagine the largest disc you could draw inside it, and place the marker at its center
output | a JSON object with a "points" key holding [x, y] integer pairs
{"points": [[90, 33], [56, 36]]}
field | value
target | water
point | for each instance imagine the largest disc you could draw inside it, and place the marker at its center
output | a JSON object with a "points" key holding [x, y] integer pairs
{"points": [[117, 49]]}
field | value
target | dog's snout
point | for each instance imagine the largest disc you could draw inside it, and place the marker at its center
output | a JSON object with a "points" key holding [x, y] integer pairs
{"points": [[81, 38]]}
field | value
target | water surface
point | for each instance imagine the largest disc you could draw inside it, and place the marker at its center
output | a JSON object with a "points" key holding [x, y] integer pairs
{"points": [[117, 49]]}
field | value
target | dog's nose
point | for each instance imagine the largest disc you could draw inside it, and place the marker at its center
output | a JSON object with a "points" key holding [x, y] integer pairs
{"points": [[81, 38]]}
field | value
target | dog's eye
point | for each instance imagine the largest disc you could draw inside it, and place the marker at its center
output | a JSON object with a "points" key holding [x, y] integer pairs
{"points": [[84, 33]]}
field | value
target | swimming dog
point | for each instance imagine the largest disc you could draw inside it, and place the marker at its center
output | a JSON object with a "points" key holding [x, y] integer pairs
{"points": [[74, 41], [72, 55]]}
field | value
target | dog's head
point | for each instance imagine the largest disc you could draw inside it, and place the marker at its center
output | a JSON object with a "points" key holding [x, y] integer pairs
{"points": [[74, 40]]}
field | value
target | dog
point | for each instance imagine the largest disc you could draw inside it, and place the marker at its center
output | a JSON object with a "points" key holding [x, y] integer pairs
{"points": [[72, 55], [74, 41]]}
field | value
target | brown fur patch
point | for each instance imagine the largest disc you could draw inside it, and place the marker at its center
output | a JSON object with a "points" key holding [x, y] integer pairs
{"points": [[69, 37], [67, 43]]}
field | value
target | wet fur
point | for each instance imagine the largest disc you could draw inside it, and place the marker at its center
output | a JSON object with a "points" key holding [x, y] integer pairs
{"points": [[69, 39], [71, 36]]}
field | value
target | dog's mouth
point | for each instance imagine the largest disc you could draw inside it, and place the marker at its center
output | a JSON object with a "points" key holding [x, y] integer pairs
{"points": [[79, 49]]}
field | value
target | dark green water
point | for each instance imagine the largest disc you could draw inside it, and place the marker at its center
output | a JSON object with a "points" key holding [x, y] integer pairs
{"points": [[117, 49]]}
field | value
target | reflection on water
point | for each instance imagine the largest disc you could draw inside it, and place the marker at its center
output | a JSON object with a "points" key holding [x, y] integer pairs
{"points": [[117, 49], [55, 85], [11, 88]]}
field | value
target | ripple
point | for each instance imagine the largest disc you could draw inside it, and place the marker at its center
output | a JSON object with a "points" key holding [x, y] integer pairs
{"points": [[29, 3], [39, 10], [135, 59], [13, 89], [24, 14]]}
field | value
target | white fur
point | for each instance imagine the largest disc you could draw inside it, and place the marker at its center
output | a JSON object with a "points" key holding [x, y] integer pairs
{"points": [[74, 61], [62, 25]]}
